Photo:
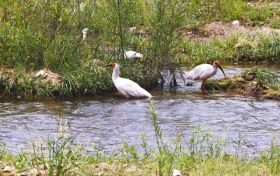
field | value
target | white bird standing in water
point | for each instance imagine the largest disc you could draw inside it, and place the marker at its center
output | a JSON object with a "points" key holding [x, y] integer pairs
{"points": [[203, 72], [126, 86]]}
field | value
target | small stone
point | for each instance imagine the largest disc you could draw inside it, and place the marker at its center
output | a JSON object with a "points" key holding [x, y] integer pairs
{"points": [[235, 22], [241, 80], [8, 169]]}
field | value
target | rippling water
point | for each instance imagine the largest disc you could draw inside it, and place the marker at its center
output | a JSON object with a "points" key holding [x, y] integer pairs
{"points": [[111, 117]]}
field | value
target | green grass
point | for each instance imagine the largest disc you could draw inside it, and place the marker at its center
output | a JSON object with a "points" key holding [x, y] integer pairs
{"points": [[264, 77], [41, 34], [203, 155]]}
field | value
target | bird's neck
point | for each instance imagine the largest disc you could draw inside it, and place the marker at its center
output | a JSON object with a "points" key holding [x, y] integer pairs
{"points": [[214, 67], [116, 73]]}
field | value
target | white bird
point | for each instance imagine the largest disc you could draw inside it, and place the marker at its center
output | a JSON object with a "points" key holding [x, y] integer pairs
{"points": [[126, 86], [85, 33], [115, 53], [203, 72], [132, 54]]}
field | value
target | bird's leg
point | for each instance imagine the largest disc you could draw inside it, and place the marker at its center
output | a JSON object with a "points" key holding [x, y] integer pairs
{"points": [[202, 85], [174, 80]]}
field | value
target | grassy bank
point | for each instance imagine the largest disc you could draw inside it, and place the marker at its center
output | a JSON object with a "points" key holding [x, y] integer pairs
{"points": [[200, 155], [40, 34]]}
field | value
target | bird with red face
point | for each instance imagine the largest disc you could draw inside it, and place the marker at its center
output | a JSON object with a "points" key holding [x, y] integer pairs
{"points": [[203, 72], [126, 86]]}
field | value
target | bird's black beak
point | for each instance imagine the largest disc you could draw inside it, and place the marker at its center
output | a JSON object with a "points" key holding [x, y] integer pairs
{"points": [[222, 71], [109, 65]]}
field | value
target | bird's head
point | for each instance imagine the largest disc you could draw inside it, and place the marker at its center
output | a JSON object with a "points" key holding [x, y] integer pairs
{"points": [[85, 30], [111, 65], [217, 63]]}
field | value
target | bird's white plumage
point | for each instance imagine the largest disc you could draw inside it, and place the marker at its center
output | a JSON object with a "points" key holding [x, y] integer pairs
{"points": [[202, 72], [126, 86], [132, 54]]}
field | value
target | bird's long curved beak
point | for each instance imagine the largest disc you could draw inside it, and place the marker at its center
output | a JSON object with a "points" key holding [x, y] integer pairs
{"points": [[222, 71], [109, 65]]}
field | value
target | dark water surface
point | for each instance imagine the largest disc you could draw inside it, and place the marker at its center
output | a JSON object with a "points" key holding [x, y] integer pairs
{"points": [[111, 117]]}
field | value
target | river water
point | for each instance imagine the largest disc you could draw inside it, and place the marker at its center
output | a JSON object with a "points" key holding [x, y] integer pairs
{"points": [[110, 117]]}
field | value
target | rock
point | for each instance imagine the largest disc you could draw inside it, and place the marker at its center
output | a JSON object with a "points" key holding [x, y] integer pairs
{"points": [[8, 169], [241, 80], [235, 22], [251, 88]]}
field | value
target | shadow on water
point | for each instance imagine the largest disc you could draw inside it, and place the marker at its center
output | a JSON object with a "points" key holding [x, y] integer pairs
{"points": [[111, 117]]}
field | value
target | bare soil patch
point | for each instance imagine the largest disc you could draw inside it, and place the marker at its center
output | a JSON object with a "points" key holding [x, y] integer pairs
{"points": [[223, 30]]}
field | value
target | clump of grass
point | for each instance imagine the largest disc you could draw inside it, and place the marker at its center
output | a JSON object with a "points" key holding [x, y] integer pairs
{"points": [[264, 77]]}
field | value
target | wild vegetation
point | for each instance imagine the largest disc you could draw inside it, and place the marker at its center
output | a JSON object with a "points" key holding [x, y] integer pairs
{"points": [[39, 34], [202, 154]]}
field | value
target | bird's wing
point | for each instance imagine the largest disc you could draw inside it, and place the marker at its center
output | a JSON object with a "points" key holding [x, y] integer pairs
{"points": [[198, 72], [128, 87]]}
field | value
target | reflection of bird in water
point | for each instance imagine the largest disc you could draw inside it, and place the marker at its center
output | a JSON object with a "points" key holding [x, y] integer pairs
{"points": [[203, 72], [126, 86]]}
